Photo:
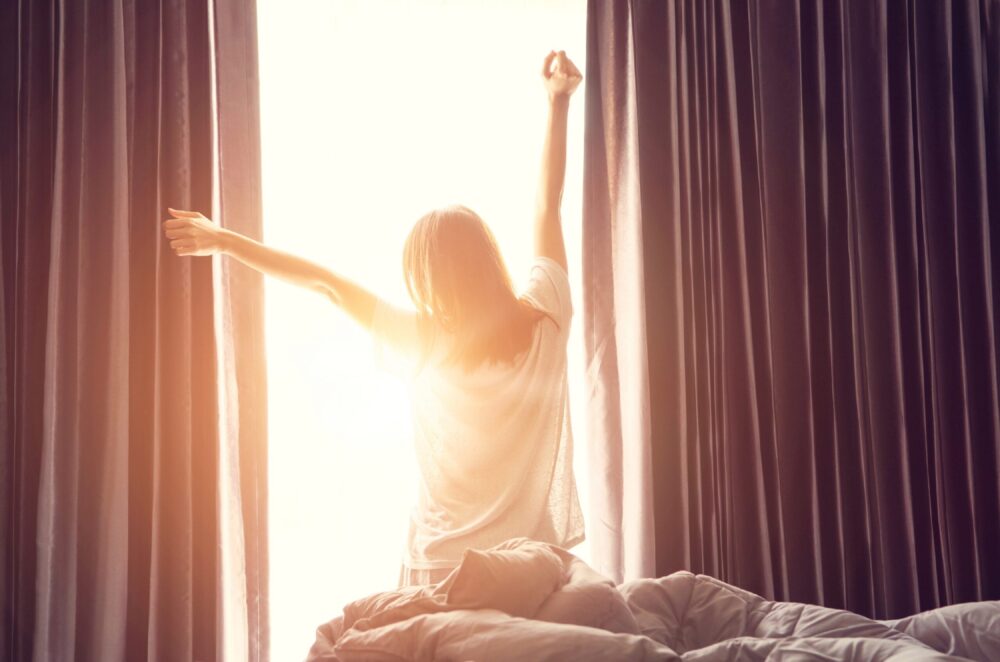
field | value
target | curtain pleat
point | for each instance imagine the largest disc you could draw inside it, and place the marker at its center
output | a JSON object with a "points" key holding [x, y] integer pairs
{"points": [[617, 408], [814, 185], [115, 407]]}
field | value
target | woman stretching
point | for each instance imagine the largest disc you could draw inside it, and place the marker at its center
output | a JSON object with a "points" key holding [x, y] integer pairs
{"points": [[486, 368]]}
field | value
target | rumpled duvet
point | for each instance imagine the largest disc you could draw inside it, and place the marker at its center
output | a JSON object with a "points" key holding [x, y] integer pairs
{"points": [[526, 600]]}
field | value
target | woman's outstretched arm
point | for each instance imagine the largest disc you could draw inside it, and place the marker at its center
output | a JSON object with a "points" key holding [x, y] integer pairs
{"points": [[561, 79], [191, 233]]}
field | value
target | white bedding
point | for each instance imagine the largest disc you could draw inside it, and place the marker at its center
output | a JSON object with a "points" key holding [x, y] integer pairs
{"points": [[562, 609]]}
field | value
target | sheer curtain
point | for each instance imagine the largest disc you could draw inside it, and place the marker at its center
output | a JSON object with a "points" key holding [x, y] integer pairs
{"points": [[133, 492], [790, 226]]}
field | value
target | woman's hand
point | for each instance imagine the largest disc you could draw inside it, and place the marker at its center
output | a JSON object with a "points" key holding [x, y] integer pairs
{"points": [[191, 233], [560, 75]]}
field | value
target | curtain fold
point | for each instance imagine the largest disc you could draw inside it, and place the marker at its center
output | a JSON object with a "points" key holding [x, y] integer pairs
{"points": [[116, 395], [614, 334], [813, 186]]}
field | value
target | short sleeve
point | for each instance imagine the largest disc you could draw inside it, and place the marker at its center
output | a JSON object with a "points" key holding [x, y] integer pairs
{"points": [[548, 289], [396, 337]]}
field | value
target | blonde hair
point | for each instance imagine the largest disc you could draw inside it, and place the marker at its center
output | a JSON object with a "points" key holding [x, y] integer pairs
{"points": [[458, 280]]}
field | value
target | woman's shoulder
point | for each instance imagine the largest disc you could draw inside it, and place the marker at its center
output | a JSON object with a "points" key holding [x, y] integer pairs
{"points": [[548, 290]]}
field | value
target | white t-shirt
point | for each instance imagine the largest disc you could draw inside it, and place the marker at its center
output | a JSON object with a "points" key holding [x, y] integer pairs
{"points": [[494, 444]]}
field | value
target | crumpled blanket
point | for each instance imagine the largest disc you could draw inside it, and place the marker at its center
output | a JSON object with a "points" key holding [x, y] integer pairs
{"points": [[530, 600]]}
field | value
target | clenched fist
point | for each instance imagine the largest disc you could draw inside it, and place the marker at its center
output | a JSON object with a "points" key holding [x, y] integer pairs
{"points": [[560, 75]]}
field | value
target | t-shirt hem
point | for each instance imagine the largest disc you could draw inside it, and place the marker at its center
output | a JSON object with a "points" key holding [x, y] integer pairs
{"points": [[573, 542]]}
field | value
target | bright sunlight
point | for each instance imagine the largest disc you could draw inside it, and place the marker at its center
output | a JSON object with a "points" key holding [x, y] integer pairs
{"points": [[372, 113]]}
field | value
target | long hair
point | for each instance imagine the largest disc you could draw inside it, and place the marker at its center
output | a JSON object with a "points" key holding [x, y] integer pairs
{"points": [[458, 280]]}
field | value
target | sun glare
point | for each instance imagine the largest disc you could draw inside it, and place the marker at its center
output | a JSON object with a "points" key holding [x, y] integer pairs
{"points": [[372, 113]]}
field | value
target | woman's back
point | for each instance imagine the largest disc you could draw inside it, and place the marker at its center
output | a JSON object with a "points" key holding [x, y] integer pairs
{"points": [[494, 444]]}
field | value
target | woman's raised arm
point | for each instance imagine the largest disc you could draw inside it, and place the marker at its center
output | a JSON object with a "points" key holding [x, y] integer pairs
{"points": [[561, 79], [191, 233]]}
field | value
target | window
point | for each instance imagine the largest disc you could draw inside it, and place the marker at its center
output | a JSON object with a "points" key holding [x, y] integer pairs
{"points": [[374, 112]]}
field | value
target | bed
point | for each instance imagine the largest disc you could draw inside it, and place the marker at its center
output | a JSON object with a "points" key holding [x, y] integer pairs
{"points": [[526, 600]]}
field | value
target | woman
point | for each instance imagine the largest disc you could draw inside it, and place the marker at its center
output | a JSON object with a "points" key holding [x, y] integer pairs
{"points": [[486, 368]]}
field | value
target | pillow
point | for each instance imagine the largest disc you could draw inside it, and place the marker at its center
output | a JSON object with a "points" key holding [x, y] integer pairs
{"points": [[515, 577]]}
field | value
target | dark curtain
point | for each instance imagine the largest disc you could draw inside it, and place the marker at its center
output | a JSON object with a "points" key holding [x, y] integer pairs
{"points": [[791, 217], [132, 483]]}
